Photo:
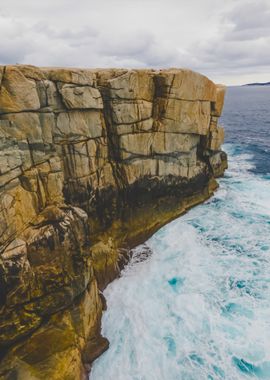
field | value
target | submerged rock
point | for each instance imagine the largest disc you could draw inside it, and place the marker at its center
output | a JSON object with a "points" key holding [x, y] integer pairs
{"points": [[91, 163]]}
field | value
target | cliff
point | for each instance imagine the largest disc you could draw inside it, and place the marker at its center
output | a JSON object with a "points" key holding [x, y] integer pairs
{"points": [[91, 163]]}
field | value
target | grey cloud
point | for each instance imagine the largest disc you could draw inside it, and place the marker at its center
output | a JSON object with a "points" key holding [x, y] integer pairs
{"points": [[141, 48], [248, 21], [101, 34], [250, 15], [240, 46], [14, 41], [84, 32]]}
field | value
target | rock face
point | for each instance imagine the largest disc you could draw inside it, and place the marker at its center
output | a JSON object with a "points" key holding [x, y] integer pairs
{"points": [[91, 163]]}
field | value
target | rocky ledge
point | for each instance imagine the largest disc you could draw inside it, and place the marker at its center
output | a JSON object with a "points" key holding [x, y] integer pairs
{"points": [[91, 163]]}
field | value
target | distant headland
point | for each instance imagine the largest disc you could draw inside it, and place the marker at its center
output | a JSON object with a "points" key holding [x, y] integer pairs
{"points": [[257, 84]]}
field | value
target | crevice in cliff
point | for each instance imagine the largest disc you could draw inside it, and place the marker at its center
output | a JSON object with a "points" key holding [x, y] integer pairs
{"points": [[159, 109], [113, 144]]}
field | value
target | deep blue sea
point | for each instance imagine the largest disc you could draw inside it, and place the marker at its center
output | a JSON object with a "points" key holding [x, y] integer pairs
{"points": [[199, 307]]}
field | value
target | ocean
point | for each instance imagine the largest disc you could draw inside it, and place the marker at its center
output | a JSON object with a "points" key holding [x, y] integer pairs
{"points": [[198, 308]]}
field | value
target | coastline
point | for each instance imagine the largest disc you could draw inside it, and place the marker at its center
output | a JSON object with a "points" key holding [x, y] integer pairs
{"points": [[96, 162]]}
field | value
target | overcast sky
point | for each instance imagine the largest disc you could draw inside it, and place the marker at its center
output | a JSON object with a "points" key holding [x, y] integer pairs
{"points": [[227, 40]]}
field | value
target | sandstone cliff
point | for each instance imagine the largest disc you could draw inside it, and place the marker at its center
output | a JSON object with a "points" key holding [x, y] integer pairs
{"points": [[91, 163]]}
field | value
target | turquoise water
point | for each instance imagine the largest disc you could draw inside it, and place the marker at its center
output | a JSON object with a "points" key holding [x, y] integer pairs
{"points": [[199, 307]]}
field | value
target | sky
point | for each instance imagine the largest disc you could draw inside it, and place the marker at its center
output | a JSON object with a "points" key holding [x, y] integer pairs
{"points": [[227, 40]]}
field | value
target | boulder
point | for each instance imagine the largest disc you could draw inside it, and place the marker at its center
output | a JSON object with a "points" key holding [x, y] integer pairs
{"points": [[133, 85], [217, 106], [17, 93], [150, 144], [127, 112], [216, 138], [78, 125], [81, 97], [185, 84], [181, 116], [70, 75]]}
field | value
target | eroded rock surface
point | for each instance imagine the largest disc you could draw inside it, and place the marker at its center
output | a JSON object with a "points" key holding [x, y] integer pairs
{"points": [[91, 163]]}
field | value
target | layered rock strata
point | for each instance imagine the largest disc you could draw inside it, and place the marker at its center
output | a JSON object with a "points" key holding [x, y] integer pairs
{"points": [[91, 163]]}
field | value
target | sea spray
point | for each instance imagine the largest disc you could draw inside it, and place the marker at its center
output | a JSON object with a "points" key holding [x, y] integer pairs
{"points": [[199, 306]]}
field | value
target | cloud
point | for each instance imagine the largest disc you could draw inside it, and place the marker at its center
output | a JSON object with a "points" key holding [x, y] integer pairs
{"points": [[241, 46], [250, 15], [14, 44], [227, 41]]}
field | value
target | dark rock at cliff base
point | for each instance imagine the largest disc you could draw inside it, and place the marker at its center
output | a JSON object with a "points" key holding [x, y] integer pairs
{"points": [[94, 348], [141, 253]]}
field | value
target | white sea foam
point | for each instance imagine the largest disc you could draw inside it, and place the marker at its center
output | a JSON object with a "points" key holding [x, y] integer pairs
{"points": [[199, 307]]}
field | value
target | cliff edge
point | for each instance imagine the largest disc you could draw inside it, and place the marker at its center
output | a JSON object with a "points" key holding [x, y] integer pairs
{"points": [[91, 163]]}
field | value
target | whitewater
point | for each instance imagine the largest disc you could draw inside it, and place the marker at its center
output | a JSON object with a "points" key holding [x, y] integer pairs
{"points": [[198, 307]]}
